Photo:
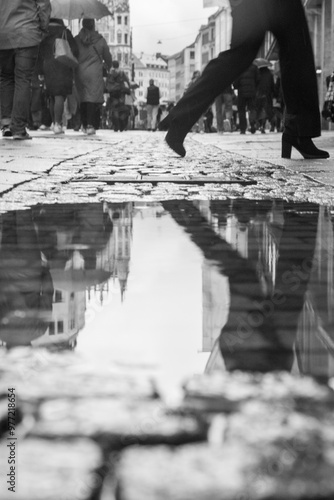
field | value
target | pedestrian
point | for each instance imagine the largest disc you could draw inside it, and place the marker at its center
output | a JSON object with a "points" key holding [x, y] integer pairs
{"points": [[118, 86], [224, 110], [246, 85], [264, 97], [152, 105], [251, 19], [93, 55], [23, 24], [58, 78]]}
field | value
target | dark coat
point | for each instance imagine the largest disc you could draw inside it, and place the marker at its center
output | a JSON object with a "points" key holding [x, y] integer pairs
{"points": [[266, 85], [153, 95], [93, 51], [58, 77], [247, 82]]}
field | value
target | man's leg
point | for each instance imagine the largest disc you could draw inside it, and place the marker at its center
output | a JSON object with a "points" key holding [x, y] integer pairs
{"points": [[7, 84], [155, 110], [149, 109], [242, 114], [25, 62]]}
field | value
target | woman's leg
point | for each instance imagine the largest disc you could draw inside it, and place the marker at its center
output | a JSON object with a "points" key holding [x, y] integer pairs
{"points": [[298, 74], [249, 27], [58, 109]]}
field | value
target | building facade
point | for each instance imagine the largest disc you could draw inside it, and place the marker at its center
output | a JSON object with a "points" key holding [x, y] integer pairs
{"points": [[150, 67]]}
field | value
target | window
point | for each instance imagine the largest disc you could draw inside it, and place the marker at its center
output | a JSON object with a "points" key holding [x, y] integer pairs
{"points": [[126, 58], [126, 20], [119, 19], [51, 328], [205, 58], [58, 296], [60, 326], [192, 54], [119, 57], [119, 37], [205, 38], [126, 38]]}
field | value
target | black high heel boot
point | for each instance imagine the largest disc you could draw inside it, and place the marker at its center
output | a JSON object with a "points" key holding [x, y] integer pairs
{"points": [[304, 145]]}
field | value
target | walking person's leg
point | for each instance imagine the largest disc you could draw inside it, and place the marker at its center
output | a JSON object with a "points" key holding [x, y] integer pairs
{"points": [[59, 102], [25, 62], [7, 85], [242, 114], [249, 27], [155, 110], [83, 113], [149, 109], [91, 118], [298, 78]]}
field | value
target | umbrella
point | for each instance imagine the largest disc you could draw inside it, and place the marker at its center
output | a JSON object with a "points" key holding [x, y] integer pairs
{"points": [[262, 63], [79, 9]]}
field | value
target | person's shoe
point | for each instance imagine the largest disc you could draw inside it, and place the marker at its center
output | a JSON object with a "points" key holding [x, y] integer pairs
{"points": [[6, 132], [176, 144], [22, 136], [243, 132], [58, 129], [90, 130], [44, 128], [304, 145]]}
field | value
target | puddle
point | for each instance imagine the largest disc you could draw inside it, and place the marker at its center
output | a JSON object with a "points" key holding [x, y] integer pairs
{"points": [[186, 287]]}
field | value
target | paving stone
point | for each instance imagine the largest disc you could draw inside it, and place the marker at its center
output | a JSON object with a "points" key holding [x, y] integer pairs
{"points": [[117, 423], [232, 471], [61, 470]]}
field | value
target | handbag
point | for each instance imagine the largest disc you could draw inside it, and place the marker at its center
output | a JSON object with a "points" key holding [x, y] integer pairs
{"points": [[328, 107], [104, 66], [63, 53]]}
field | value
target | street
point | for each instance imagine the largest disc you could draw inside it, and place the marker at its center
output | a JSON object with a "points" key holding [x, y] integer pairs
{"points": [[77, 168]]}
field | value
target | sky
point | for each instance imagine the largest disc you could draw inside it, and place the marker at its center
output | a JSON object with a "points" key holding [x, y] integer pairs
{"points": [[173, 22]]}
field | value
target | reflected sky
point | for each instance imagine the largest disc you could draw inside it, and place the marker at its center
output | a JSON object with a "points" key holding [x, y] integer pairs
{"points": [[185, 287]]}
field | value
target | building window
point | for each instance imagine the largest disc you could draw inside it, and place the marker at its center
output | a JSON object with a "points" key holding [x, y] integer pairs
{"points": [[51, 328], [192, 54], [60, 326], [58, 296], [119, 57], [119, 37], [119, 19], [126, 58], [126, 20], [205, 38], [126, 38]]}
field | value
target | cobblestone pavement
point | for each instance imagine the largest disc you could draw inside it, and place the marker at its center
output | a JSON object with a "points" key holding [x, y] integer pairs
{"points": [[77, 168]]}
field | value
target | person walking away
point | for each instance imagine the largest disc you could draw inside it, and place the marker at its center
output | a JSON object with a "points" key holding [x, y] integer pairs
{"points": [[251, 19], [23, 24], [118, 85], [93, 54], [58, 78], [264, 97], [246, 86], [152, 105]]}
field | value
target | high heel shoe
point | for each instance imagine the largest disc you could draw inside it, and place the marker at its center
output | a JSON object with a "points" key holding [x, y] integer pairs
{"points": [[304, 145], [175, 142]]}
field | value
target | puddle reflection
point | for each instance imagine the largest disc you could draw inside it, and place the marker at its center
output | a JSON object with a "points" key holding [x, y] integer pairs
{"points": [[190, 286]]}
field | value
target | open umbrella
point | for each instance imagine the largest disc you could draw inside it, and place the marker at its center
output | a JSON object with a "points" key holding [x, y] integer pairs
{"points": [[79, 9]]}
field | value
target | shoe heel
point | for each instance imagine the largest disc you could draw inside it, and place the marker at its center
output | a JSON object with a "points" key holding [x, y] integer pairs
{"points": [[286, 148]]}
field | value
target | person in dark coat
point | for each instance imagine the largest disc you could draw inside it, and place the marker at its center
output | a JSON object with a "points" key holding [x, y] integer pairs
{"points": [[264, 97], [58, 78], [246, 85], [119, 111], [93, 54], [286, 19], [152, 105], [23, 24]]}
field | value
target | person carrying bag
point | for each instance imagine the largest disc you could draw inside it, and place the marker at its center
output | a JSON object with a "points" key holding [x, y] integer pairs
{"points": [[63, 52], [328, 107], [117, 82]]}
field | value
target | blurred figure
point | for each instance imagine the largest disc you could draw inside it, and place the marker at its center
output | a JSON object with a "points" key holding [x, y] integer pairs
{"points": [[119, 111], [251, 20], [93, 53], [246, 85], [23, 24], [152, 105], [264, 97], [58, 78], [224, 110]]}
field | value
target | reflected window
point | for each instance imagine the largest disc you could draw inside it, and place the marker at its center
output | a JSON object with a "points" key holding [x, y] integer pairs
{"points": [[58, 296], [52, 329], [60, 326]]}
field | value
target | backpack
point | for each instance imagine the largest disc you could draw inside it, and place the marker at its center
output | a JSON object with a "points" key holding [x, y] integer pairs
{"points": [[115, 82]]}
